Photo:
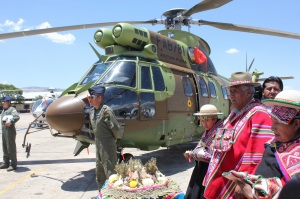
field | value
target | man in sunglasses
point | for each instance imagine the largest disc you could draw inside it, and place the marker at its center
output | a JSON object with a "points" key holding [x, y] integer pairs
{"points": [[105, 126]]}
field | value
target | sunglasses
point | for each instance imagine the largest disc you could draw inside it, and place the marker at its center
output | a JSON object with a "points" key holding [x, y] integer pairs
{"points": [[94, 96]]}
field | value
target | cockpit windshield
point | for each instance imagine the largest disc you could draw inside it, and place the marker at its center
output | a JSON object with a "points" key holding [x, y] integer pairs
{"points": [[122, 73], [94, 74]]}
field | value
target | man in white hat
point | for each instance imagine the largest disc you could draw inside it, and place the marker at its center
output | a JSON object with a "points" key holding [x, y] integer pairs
{"points": [[208, 117], [239, 145]]}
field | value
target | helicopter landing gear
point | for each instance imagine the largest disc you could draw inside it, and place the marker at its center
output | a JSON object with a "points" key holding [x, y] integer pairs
{"points": [[27, 150], [123, 156]]}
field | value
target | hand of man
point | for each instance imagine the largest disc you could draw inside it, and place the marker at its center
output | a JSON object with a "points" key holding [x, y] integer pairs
{"points": [[243, 190]]}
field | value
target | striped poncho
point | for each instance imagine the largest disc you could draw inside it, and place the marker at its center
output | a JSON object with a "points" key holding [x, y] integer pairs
{"points": [[251, 129]]}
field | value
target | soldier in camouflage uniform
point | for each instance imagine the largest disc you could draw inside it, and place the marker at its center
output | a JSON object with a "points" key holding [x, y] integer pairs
{"points": [[9, 117], [105, 127]]}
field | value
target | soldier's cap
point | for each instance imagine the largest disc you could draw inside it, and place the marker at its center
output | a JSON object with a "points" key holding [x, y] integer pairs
{"points": [[6, 99], [98, 89]]}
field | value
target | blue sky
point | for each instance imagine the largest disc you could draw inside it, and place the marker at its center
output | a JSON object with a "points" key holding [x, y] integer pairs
{"points": [[61, 59]]}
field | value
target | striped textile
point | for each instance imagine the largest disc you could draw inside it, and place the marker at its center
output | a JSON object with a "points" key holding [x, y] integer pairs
{"points": [[288, 157], [252, 129]]}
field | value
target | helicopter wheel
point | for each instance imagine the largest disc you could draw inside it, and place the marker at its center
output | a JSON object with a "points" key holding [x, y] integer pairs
{"points": [[28, 147]]}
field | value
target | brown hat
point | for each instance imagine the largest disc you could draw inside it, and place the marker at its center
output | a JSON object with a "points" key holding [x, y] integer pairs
{"points": [[242, 78]]}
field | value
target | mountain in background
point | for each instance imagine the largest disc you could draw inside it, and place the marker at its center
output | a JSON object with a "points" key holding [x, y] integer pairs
{"points": [[40, 89]]}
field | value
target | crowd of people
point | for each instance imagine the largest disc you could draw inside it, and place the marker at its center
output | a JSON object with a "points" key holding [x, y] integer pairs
{"points": [[258, 144], [253, 153]]}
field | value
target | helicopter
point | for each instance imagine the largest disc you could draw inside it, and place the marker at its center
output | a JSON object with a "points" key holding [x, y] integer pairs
{"points": [[40, 106], [154, 81]]}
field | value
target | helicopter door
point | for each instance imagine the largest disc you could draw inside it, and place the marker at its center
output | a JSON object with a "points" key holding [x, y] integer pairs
{"points": [[184, 97]]}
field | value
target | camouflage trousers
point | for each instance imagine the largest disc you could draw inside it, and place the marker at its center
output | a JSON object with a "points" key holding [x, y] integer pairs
{"points": [[9, 148]]}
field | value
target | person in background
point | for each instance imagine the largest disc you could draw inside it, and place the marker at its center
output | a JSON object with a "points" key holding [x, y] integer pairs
{"points": [[271, 87], [9, 117], [280, 163], [239, 145], [208, 117], [105, 127]]}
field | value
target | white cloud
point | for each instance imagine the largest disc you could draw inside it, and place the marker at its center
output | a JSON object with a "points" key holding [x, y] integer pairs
{"points": [[13, 26], [54, 37], [232, 51]]}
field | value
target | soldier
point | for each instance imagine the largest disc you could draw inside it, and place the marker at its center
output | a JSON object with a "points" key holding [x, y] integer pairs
{"points": [[9, 117], [106, 128]]}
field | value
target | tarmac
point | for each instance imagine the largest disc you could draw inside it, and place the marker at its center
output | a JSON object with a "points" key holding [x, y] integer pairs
{"points": [[52, 171]]}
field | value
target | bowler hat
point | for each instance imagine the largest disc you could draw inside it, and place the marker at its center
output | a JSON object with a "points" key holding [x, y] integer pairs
{"points": [[96, 90], [6, 99], [242, 78], [208, 110]]}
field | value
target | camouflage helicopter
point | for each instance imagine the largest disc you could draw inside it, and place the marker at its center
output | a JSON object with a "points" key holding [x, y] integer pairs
{"points": [[154, 81]]}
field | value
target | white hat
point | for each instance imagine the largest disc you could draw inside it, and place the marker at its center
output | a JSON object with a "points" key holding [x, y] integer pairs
{"points": [[286, 98], [208, 110]]}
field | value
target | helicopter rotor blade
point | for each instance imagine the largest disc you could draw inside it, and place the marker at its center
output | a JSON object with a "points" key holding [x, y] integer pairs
{"points": [[249, 29], [251, 64], [205, 5], [283, 78], [66, 28]]}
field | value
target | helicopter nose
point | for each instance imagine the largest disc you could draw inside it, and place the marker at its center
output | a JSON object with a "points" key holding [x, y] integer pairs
{"points": [[66, 114]]}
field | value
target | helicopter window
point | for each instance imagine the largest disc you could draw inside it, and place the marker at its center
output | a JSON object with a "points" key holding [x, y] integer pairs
{"points": [[212, 90], [123, 102], [146, 82], [186, 82], [225, 93], [94, 74], [147, 105], [158, 79], [123, 73], [204, 90]]}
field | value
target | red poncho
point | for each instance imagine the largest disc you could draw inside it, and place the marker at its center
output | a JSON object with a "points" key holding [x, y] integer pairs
{"points": [[252, 129]]}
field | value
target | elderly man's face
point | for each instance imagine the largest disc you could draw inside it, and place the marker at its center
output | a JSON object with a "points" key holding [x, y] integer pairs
{"points": [[271, 90], [239, 96]]}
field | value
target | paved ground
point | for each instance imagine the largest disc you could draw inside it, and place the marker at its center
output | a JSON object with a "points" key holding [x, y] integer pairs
{"points": [[51, 170]]}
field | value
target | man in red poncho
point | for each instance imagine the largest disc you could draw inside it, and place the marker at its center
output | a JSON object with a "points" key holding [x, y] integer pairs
{"points": [[239, 145]]}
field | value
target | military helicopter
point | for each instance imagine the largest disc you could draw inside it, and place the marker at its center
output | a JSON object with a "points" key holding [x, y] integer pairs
{"points": [[154, 81]]}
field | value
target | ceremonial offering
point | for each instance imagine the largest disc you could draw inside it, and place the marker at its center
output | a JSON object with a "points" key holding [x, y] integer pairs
{"points": [[135, 180]]}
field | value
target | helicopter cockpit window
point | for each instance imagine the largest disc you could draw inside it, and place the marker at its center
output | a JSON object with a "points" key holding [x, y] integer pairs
{"points": [[159, 83], [212, 89], [95, 73], [124, 102], [146, 82], [204, 90], [122, 73], [187, 86], [225, 93]]}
